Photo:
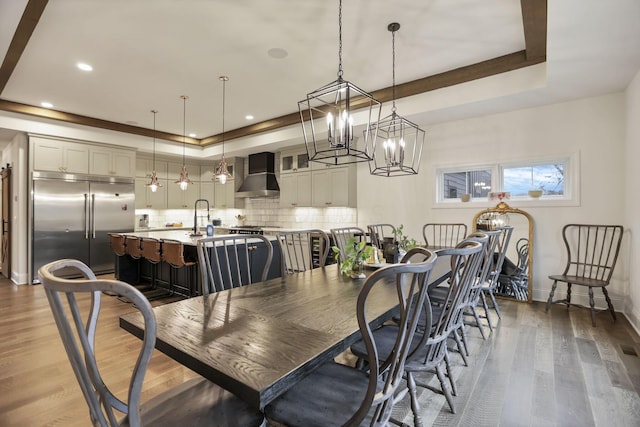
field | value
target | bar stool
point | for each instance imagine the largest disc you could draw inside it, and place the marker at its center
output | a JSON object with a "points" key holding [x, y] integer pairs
{"points": [[132, 248], [151, 250], [173, 254]]}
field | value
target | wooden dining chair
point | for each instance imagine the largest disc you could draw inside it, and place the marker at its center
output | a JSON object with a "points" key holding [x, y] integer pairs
{"points": [[514, 278], [428, 350], [377, 233], [338, 395], [443, 235], [592, 252], [490, 285], [197, 402], [303, 250], [233, 260], [342, 235]]}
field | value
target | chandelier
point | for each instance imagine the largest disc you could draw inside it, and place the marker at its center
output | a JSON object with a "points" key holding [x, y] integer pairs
{"points": [[327, 116], [397, 142]]}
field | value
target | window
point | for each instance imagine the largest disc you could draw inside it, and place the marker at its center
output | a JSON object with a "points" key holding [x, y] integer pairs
{"points": [[552, 179]]}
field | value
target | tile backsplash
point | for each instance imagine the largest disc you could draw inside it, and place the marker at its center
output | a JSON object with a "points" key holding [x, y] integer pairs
{"points": [[265, 212]]}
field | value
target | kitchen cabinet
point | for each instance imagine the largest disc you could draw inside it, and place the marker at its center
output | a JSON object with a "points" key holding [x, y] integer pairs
{"points": [[207, 192], [295, 189], [294, 161], [147, 199], [182, 199], [174, 169], [144, 167], [60, 156], [225, 196], [111, 161], [206, 172], [334, 186]]}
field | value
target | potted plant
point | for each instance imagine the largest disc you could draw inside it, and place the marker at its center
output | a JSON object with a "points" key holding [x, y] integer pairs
{"points": [[352, 260], [405, 243]]}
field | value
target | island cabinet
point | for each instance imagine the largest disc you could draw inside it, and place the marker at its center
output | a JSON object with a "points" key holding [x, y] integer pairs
{"points": [[295, 189], [333, 186]]}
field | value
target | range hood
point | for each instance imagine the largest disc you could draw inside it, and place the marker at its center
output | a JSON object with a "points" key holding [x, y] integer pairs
{"points": [[261, 180]]}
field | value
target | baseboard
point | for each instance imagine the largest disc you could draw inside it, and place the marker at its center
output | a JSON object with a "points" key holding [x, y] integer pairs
{"points": [[580, 295]]}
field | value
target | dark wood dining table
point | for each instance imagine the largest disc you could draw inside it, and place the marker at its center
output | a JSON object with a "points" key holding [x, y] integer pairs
{"points": [[258, 340]]}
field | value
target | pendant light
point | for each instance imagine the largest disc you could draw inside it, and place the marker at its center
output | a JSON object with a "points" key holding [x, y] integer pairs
{"points": [[397, 144], [327, 118], [184, 180], [153, 183], [222, 172]]}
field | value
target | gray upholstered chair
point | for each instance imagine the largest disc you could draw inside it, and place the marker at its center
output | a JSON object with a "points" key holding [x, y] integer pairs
{"points": [[197, 402], [592, 252], [303, 250], [443, 235], [336, 394], [228, 261]]}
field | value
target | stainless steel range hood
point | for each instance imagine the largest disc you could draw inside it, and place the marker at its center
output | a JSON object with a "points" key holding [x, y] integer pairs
{"points": [[261, 180]]}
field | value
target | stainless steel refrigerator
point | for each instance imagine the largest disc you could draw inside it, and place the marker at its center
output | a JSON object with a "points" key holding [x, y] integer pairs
{"points": [[72, 216]]}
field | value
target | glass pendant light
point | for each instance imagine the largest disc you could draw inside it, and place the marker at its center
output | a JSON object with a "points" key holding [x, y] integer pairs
{"points": [[222, 172], [327, 118], [397, 144], [184, 180], [153, 183]]}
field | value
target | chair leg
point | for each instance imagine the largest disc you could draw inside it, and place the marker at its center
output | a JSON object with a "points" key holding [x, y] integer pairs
{"points": [[460, 346], [449, 374], [592, 304], [415, 406], [568, 295], [486, 310], [550, 299], [611, 310], [477, 317], [445, 389], [495, 304]]}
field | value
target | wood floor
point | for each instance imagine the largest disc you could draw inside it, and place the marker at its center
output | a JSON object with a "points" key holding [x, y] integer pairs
{"points": [[534, 370]]}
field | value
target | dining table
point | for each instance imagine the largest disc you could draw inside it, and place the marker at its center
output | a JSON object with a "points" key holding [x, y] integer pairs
{"points": [[258, 340]]}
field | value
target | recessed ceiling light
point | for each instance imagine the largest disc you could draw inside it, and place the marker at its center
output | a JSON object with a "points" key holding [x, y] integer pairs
{"points": [[277, 53], [248, 117], [84, 67], [46, 104], [192, 135]]}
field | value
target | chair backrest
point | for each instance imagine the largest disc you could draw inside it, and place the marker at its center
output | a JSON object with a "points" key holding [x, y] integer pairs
{"points": [[489, 241], [173, 253], [303, 250], [592, 250], [132, 245], [77, 329], [231, 261], [465, 260], [116, 241], [443, 235], [342, 235], [411, 280], [151, 249], [377, 233], [522, 247]]}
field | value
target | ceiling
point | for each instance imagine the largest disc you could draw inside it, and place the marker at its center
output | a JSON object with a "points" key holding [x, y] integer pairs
{"points": [[146, 53]]}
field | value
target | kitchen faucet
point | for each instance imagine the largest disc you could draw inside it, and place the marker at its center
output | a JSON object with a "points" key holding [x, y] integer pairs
{"points": [[195, 214]]}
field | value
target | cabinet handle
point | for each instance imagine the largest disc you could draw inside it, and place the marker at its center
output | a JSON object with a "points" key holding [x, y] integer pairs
{"points": [[294, 204], [327, 203]]}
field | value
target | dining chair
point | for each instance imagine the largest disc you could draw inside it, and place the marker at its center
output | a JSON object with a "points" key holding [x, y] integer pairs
{"points": [[491, 284], [592, 252], [197, 402], [377, 233], [342, 235], [230, 261], [303, 250], [428, 350], [443, 235], [336, 394], [514, 278]]}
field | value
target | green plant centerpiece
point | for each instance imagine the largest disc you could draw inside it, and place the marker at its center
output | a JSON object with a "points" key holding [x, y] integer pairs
{"points": [[405, 243], [356, 252]]}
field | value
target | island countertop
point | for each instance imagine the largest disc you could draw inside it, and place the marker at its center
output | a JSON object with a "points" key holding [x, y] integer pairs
{"points": [[183, 236]]}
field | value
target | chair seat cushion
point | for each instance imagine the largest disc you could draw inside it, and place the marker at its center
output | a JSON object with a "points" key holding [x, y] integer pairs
{"points": [[329, 396], [577, 280], [197, 402]]}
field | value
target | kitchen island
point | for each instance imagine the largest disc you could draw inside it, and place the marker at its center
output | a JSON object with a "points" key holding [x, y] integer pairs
{"points": [[187, 283]]}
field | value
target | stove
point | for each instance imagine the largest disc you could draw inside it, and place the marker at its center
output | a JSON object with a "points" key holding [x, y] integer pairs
{"points": [[246, 229]]}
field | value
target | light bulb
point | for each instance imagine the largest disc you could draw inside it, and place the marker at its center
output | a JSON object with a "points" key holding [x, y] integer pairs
{"points": [[184, 185], [222, 178], [154, 187]]}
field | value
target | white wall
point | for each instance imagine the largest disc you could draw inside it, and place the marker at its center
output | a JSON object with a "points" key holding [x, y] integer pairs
{"points": [[632, 152], [593, 127]]}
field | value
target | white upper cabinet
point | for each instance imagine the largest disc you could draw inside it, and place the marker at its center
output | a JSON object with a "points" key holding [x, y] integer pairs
{"points": [[111, 162], [294, 161], [295, 190], [144, 167], [60, 156]]}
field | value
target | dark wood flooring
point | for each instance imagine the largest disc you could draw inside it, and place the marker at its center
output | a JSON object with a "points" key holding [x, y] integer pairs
{"points": [[534, 370]]}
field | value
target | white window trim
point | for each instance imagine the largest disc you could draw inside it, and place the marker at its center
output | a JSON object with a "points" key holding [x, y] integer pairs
{"points": [[572, 183]]}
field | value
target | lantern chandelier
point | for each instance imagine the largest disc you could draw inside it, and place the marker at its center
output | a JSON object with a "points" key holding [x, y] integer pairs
{"points": [[222, 172], [184, 180], [397, 144], [154, 184], [327, 118]]}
